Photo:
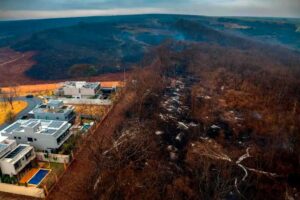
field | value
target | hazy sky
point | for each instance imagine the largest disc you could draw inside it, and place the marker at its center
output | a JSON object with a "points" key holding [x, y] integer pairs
{"points": [[25, 9]]}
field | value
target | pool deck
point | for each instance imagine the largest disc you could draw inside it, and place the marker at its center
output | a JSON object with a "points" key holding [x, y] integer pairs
{"points": [[29, 175], [41, 180]]}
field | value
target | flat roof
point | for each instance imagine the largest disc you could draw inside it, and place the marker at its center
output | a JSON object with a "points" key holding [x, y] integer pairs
{"points": [[47, 127], [81, 84], [17, 153], [3, 146], [4, 143], [53, 106]]}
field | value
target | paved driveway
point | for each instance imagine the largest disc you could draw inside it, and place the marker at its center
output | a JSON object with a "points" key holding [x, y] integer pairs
{"points": [[32, 103]]}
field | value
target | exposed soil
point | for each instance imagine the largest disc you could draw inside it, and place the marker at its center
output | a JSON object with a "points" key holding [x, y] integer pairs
{"points": [[13, 66]]}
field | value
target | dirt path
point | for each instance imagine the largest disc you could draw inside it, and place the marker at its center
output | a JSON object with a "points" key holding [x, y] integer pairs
{"points": [[71, 186], [11, 61]]}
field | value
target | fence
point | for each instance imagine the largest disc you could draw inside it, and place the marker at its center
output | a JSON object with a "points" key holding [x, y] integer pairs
{"points": [[49, 157], [91, 132], [21, 190]]}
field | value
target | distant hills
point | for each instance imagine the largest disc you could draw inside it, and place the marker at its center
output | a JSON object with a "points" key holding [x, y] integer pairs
{"points": [[99, 45]]}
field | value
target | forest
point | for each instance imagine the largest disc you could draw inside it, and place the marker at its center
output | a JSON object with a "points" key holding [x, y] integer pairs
{"points": [[202, 122], [109, 44]]}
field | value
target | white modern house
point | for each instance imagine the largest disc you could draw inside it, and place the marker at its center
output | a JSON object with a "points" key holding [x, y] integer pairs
{"points": [[54, 110], [79, 89], [6, 145], [46, 135], [15, 161]]}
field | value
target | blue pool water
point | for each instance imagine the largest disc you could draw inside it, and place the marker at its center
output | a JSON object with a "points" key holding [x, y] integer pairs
{"points": [[86, 127], [38, 177]]}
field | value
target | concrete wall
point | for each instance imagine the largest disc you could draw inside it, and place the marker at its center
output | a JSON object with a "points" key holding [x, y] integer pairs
{"points": [[58, 158], [51, 116], [21, 190], [71, 91], [7, 168], [105, 102], [78, 92], [87, 92]]}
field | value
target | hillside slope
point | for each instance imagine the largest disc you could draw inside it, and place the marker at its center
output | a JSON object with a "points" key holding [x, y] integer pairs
{"points": [[100, 45]]}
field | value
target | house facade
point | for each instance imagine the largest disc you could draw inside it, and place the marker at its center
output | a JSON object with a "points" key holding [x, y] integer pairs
{"points": [[17, 159], [79, 89], [45, 135]]}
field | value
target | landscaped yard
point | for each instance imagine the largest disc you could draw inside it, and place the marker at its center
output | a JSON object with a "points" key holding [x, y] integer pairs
{"points": [[5, 109], [57, 169]]}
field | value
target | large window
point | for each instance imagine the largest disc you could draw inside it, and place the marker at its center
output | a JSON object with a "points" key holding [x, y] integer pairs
{"points": [[17, 165], [29, 139], [62, 137], [28, 155]]}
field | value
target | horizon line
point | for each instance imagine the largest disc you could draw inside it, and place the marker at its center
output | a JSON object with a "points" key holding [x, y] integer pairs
{"points": [[150, 13]]}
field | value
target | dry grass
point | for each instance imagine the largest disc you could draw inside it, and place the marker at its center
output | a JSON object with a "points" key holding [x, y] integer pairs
{"points": [[95, 110], [48, 89], [5, 108], [33, 89]]}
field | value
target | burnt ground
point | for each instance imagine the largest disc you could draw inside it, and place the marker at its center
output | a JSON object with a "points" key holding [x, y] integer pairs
{"points": [[13, 66], [80, 170]]}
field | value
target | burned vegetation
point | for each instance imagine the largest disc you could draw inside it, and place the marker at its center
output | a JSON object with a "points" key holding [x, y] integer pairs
{"points": [[204, 125]]}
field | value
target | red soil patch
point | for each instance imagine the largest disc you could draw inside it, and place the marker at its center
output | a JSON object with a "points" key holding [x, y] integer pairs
{"points": [[13, 65]]}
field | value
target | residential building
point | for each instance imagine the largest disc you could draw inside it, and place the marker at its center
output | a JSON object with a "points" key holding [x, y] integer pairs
{"points": [[15, 161], [54, 110], [79, 89], [47, 135], [6, 145]]}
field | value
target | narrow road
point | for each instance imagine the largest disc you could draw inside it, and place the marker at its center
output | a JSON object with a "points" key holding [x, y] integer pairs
{"points": [[14, 60], [31, 104]]}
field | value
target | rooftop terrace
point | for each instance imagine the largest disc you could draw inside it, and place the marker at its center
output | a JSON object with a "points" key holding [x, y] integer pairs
{"points": [[36, 126], [81, 84], [53, 106]]}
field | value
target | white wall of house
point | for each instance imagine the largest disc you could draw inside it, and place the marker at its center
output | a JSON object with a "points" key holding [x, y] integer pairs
{"points": [[8, 164], [39, 141], [51, 116], [80, 90]]}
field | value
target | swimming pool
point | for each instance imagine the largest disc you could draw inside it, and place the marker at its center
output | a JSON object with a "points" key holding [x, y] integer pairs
{"points": [[38, 177], [85, 127]]}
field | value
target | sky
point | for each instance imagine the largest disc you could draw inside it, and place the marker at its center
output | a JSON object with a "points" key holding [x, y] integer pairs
{"points": [[33, 9]]}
